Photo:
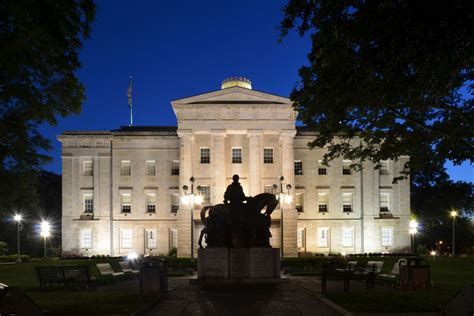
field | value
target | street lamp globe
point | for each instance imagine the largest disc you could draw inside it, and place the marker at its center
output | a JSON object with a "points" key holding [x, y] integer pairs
{"points": [[17, 217], [45, 229], [454, 213]]}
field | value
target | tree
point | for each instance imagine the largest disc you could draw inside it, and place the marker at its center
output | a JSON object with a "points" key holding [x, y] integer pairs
{"points": [[40, 42], [398, 74]]}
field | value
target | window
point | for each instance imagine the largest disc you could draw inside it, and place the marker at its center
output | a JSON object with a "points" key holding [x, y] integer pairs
{"points": [[151, 203], [87, 168], [298, 167], [125, 169], [387, 236], [299, 202], [206, 195], [268, 155], [384, 202], [126, 238], [301, 239], [323, 202], [323, 237], [174, 203], [126, 202], [173, 238], [322, 171], [150, 238], [347, 236], [88, 203], [347, 202], [86, 238], [205, 155], [346, 169], [236, 155], [175, 168], [384, 167], [268, 189], [150, 167]]}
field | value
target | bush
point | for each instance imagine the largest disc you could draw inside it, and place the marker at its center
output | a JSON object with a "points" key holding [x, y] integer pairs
{"points": [[3, 247], [173, 252], [12, 258]]}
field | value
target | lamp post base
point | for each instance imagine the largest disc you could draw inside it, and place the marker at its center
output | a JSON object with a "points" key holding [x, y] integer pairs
{"points": [[18, 259]]}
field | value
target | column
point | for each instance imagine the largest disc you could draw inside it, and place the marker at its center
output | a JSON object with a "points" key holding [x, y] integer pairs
{"points": [[218, 165], [290, 216], [255, 161], [184, 212]]}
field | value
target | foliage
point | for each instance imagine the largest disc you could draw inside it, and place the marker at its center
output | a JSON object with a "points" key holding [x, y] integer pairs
{"points": [[3, 247], [12, 258], [398, 74], [173, 252]]}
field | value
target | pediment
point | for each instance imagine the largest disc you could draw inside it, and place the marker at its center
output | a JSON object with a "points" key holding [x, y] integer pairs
{"points": [[233, 95]]}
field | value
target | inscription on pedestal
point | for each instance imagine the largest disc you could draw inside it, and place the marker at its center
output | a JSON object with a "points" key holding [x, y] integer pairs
{"points": [[239, 263], [261, 263], [213, 263]]}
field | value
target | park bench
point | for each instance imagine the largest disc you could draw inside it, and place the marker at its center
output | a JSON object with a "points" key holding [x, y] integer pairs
{"points": [[334, 271], [394, 275], [369, 273], [76, 276], [107, 273], [52, 275], [127, 268]]}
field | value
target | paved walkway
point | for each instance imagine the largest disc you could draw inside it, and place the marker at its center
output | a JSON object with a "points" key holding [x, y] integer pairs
{"points": [[298, 296]]}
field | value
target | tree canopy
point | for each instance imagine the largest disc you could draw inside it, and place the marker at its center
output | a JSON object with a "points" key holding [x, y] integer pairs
{"points": [[398, 74]]}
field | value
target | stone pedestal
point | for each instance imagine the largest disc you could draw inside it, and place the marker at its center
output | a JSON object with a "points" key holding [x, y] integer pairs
{"points": [[213, 263]]}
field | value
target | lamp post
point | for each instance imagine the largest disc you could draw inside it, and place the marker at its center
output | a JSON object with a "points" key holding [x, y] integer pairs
{"points": [[17, 218], [191, 200], [453, 215], [284, 198], [413, 230], [45, 232]]}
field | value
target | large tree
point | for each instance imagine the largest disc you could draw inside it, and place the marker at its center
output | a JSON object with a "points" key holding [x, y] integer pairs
{"points": [[398, 74], [40, 42]]}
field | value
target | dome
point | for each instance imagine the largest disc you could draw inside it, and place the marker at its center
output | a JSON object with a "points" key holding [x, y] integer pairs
{"points": [[236, 82]]}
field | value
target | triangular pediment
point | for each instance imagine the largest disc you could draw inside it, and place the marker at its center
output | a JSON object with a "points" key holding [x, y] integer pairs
{"points": [[233, 95]]}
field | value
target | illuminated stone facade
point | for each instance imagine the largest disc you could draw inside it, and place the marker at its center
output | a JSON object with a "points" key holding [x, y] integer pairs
{"points": [[122, 188]]}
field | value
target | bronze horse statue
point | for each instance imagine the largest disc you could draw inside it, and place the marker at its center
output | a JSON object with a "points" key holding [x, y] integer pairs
{"points": [[250, 229]]}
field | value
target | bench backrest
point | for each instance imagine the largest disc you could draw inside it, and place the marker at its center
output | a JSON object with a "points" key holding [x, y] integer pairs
{"points": [[396, 266], [351, 265], [81, 271], [378, 266], [125, 266], [49, 274], [104, 268]]}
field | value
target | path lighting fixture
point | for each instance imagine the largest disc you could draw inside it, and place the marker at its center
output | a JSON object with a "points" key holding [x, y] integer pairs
{"points": [[18, 218], [413, 230], [433, 253], [453, 214], [45, 233], [191, 200], [284, 198]]}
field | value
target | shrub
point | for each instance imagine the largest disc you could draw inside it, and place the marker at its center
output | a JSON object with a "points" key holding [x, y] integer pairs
{"points": [[173, 252], [12, 258]]}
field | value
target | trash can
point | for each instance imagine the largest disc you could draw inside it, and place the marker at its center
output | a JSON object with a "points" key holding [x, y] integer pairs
{"points": [[415, 274], [154, 276]]}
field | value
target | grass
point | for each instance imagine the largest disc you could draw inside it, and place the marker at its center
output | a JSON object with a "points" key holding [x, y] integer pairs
{"points": [[60, 302], [448, 274]]}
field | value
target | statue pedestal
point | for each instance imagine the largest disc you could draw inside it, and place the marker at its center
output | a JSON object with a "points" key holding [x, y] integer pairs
{"points": [[238, 265]]}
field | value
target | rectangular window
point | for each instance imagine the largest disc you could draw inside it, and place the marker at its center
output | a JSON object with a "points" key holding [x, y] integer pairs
{"points": [[86, 238], [206, 195], [174, 238], [88, 203], [384, 167], [347, 236], [150, 167], [387, 236], [346, 169], [126, 238], [384, 202], [268, 189], [150, 238], [301, 239], [205, 155], [268, 155], [151, 203], [323, 237], [236, 155], [298, 167], [125, 169], [87, 168], [174, 203], [322, 171], [126, 202], [175, 168], [323, 202], [347, 202], [299, 202]]}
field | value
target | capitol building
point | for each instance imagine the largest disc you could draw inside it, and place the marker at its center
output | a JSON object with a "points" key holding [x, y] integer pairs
{"points": [[129, 190]]}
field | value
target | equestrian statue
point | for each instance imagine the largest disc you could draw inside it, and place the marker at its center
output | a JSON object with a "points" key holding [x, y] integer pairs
{"points": [[240, 221]]}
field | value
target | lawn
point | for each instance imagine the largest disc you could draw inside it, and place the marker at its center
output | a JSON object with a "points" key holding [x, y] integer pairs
{"points": [[448, 274], [60, 302]]}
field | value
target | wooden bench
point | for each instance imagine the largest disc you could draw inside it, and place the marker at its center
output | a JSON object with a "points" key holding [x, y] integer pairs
{"points": [[107, 273], [77, 276], [52, 275], [127, 269], [394, 275], [369, 273]]}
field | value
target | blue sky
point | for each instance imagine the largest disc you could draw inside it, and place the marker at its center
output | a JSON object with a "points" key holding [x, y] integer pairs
{"points": [[176, 49]]}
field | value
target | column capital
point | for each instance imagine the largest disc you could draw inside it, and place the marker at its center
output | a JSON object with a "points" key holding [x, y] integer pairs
{"points": [[254, 132], [185, 133], [219, 132], [287, 133]]}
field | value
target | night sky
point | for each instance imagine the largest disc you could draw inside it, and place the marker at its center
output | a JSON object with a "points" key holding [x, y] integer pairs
{"points": [[175, 49]]}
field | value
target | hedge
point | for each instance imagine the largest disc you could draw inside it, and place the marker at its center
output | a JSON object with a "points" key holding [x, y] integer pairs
{"points": [[12, 258]]}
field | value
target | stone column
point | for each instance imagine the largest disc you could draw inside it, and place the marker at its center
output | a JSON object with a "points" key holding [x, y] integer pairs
{"points": [[184, 212], [255, 161], [290, 216], [218, 165]]}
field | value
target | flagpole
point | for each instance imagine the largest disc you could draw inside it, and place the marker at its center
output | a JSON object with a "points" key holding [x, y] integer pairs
{"points": [[129, 95]]}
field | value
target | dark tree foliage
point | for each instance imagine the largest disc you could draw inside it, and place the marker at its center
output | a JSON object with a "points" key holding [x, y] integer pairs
{"points": [[40, 42], [396, 73], [432, 205]]}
